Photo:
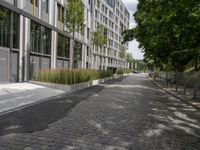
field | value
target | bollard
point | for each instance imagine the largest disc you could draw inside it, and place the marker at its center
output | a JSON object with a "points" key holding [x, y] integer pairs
{"points": [[195, 91], [167, 78], [176, 86], [184, 88], [167, 82]]}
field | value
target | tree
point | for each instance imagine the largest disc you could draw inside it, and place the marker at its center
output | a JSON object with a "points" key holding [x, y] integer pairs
{"points": [[129, 57], [99, 38], [74, 21], [167, 31], [122, 53], [4, 17]]}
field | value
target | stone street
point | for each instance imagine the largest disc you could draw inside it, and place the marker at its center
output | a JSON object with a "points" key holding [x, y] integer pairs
{"points": [[124, 114]]}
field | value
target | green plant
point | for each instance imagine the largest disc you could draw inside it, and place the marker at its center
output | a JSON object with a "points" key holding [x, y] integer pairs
{"points": [[120, 71], [123, 71], [74, 76], [167, 32], [99, 39], [74, 21]]}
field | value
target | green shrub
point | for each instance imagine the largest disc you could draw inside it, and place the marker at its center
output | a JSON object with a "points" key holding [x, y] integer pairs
{"points": [[119, 71], [74, 76], [192, 78], [122, 71], [129, 71]]}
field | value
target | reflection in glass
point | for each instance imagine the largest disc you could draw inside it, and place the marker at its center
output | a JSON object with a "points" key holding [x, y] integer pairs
{"points": [[77, 51], [40, 39], [63, 46], [15, 30], [45, 5], [4, 27]]}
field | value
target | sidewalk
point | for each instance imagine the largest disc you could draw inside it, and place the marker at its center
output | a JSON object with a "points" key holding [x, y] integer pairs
{"points": [[16, 95], [187, 97]]}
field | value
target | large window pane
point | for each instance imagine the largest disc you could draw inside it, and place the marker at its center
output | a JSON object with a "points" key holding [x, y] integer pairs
{"points": [[60, 45], [4, 27], [60, 13], [66, 46], [77, 51], [45, 5], [15, 30], [35, 2], [63, 46], [77, 55], [40, 38]]}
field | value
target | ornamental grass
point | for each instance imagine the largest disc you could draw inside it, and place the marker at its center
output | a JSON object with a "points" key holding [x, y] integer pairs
{"points": [[70, 77], [123, 71]]}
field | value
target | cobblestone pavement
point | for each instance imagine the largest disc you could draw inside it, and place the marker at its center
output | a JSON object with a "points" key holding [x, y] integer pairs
{"points": [[132, 114]]}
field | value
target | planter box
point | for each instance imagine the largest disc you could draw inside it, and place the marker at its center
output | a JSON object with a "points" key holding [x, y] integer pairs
{"points": [[75, 87]]}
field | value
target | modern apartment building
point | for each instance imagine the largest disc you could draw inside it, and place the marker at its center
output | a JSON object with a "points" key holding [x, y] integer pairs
{"points": [[33, 37]]}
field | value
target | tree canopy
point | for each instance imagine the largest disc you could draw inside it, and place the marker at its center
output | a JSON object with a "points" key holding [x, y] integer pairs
{"points": [[99, 37], [168, 31], [129, 57], [74, 16], [122, 52], [74, 21]]}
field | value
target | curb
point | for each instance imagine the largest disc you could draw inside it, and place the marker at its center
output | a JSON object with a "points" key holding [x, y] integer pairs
{"points": [[178, 97]]}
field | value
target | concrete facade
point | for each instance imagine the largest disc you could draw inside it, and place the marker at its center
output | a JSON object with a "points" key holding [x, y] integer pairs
{"points": [[35, 37]]}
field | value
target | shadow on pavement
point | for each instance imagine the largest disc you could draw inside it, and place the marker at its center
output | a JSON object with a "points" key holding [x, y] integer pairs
{"points": [[39, 116], [132, 114]]}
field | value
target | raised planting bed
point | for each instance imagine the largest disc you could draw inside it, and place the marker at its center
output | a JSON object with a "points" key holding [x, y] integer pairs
{"points": [[75, 87]]}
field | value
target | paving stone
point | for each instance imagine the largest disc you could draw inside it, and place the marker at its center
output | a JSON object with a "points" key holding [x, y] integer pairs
{"points": [[127, 114]]}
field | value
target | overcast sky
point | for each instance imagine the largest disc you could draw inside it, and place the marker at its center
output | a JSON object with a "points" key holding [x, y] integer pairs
{"points": [[133, 46]]}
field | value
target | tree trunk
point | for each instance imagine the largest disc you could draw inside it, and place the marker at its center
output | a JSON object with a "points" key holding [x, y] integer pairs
{"points": [[101, 67], [196, 64]]}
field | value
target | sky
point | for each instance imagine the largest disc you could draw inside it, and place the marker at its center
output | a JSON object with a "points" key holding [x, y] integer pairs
{"points": [[131, 5]]}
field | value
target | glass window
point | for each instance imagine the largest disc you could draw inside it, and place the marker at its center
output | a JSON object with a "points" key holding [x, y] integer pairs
{"points": [[96, 13], [60, 13], [63, 43], [88, 33], [15, 30], [87, 51], [111, 3], [35, 2], [40, 38], [102, 8], [4, 27], [45, 5], [98, 3], [77, 51]]}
